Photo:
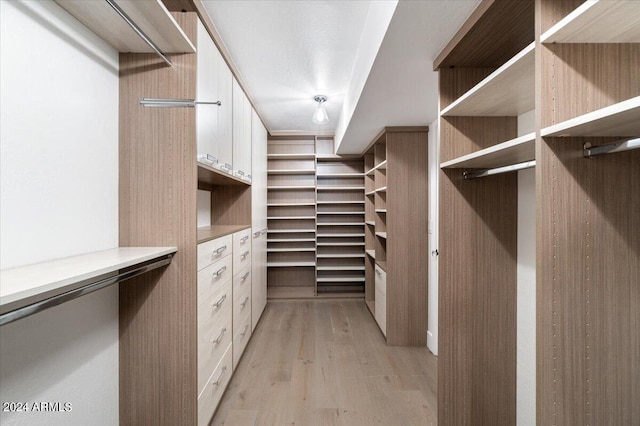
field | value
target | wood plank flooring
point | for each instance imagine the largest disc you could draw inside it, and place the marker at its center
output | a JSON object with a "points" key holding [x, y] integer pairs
{"points": [[325, 363]]}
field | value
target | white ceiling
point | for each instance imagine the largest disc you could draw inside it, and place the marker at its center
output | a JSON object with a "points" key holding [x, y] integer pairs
{"points": [[287, 51]]}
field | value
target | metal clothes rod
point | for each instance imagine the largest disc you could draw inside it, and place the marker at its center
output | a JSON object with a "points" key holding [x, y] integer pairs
{"points": [[620, 146], [42, 305], [174, 103], [138, 31], [499, 170]]}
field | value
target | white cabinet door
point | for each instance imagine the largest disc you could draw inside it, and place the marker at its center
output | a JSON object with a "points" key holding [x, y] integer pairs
{"points": [[258, 217], [241, 132], [247, 142], [225, 115]]}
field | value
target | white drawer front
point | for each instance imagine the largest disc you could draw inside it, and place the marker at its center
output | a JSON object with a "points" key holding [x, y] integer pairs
{"points": [[240, 341], [381, 311], [213, 277], [242, 258], [214, 250], [214, 331], [381, 280], [241, 283], [242, 239], [241, 309], [212, 392]]}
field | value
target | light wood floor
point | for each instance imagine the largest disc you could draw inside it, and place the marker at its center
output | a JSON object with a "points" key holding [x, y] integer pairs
{"points": [[326, 363]]}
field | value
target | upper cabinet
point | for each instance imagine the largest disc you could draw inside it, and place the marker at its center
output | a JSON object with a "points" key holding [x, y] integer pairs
{"points": [[241, 133], [214, 122]]}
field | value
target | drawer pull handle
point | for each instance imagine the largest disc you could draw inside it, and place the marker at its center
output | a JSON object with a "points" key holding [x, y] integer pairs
{"points": [[245, 254], [221, 271], [257, 234], [246, 327], [220, 302], [245, 276], [219, 251], [378, 273], [244, 239], [246, 299], [217, 340], [217, 382]]}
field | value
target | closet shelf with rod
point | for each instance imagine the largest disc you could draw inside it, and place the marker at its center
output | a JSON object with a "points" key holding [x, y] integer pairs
{"points": [[620, 146], [499, 170]]}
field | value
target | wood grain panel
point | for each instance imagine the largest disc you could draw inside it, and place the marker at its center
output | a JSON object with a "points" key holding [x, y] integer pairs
{"points": [[455, 82], [157, 207], [479, 44], [552, 11], [179, 5], [586, 77], [588, 285], [231, 205], [465, 135], [406, 226], [477, 336]]}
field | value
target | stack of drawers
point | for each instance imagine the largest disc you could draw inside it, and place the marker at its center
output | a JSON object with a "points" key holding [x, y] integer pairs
{"points": [[381, 299], [224, 315]]}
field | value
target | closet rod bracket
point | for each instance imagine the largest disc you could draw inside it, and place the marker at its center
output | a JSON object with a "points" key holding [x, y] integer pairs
{"points": [[174, 103], [619, 146], [489, 172]]}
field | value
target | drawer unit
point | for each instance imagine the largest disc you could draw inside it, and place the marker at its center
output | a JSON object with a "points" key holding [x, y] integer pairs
{"points": [[381, 299], [214, 250], [213, 276], [214, 331], [241, 249], [242, 283], [240, 340], [241, 308], [212, 392]]}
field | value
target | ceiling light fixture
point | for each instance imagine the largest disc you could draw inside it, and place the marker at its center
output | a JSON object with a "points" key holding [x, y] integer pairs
{"points": [[320, 116]]}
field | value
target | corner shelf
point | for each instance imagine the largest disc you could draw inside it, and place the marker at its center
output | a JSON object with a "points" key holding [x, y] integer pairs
{"points": [[621, 119], [30, 289], [598, 22], [509, 90], [340, 175], [152, 17], [209, 176], [513, 151]]}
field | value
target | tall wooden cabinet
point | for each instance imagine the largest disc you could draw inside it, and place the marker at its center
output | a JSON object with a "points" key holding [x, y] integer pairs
{"points": [[576, 64], [258, 218], [396, 235]]}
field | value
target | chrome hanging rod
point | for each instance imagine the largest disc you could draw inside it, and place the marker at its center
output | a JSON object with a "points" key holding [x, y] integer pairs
{"points": [[138, 31], [34, 308], [620, 146], [175, 103], [499, 170]]}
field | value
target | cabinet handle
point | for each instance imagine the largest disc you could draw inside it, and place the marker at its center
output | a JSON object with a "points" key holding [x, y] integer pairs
{"points": [[264, 231], [246, 327], [244, 277], [245, 254], [217, 382], [244, 239], [435, 253], [217, 340], [219, 251], [246, 299], [227, 167], [221, 271], [219, 302], [378, 273], [257, 234], [239, 173]]}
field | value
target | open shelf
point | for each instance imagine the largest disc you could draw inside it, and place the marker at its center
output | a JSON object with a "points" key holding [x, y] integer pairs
{"points": [[598, 22], [340, 202], [289, 204], [381, 211], [291, 217], [340, 256], [292, 292], [29, 289], [381, 189], [291, 240], [291, 156], [381, 235], [370, 172], [339, 244], [291, 231], [290, 187], [513, 151], [342, 224], [209, 176], [340, 175], [340, 279], [507, 91], [370, 222], [370, 193], [340, 188], [382, 165], [341, 213], [290, 264], [340, 268], [371, 253], [288, 250], [339, 235], [152, 17], [292, 172], [621, 119], [206, 233]]}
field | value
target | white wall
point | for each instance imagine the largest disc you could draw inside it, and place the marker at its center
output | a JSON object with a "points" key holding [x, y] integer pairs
{"points": [[526, 290], [434, 202], [58, 197]]}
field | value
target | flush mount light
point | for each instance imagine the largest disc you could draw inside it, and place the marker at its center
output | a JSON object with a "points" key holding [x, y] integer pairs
{"points": [[320, 116]]}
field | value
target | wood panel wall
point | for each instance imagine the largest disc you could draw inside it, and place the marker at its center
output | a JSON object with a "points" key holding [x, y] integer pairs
{"points": [[407, 243], [157, 208], [588, 297], [477, 294]]}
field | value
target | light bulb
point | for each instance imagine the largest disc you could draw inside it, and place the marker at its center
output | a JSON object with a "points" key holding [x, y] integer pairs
{"points": [[320, 116]]}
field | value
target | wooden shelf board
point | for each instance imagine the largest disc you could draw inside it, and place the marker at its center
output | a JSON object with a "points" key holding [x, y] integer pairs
{"points": [[382, 165], [371, 222], [206, 233], [342, 224], [621, 119], [513, 151], [381, 211], [339, 235], [26, 285], [331, 157], [382, 189], [371, 253], [330, 294], [296, 264], [382, 264], [340, 244], [291, 156], [340, 188], [291, 217], [292, 249], [293, 292], [152, 17], [340, 279], [339, 256], [370, 172], [382, 235], [340, 268], [289, 204], [339, 175], [292, 172], [370, 193], [291, 240], [598, 22], [291, 231], [341, 213], [507, 91], [340, 202], [290, 187], [208, 176]]}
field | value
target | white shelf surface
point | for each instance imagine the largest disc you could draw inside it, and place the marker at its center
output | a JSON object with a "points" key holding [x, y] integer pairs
{"points": [[621, 119], [381, 166], [340, 202], [290, 187], [340, 279], [289, 204], [30, 284], [370, 192], [598, 21], [340, 244], [291, 217], [341, 213], [340, 188], [290, 264], [292, 249], [342, 224], [370, 171], [339, 175], [340, 268], [381, 211], [382, 189], [507, 91], [382, 235], [291, 156], [291, 172], [151, 16], [339, 235], [514, 151], [291, 240], [339, 255], [371, 253], [371, 222], [290, 231]]}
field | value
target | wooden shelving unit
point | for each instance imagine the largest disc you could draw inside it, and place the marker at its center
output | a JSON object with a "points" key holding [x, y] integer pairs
{"points": [[513, 151]]}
